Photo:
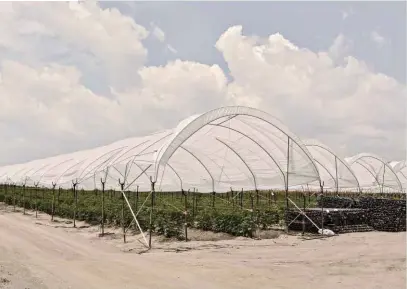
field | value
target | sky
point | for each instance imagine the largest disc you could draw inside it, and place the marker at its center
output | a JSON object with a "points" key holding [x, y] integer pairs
{"points": [[76, 76]]}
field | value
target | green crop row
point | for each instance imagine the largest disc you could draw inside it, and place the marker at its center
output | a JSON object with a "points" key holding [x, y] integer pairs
{"points": [[238, 214]]}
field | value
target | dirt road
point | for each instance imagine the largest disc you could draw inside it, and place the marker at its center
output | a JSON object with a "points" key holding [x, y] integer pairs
{"points": [[39, 254]]}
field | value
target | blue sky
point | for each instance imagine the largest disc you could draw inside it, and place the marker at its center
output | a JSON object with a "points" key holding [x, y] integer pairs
{"points": [[192, 28]]}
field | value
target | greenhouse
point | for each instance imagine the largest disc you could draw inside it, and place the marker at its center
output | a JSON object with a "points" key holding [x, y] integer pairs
{"points": [[223, 149], [374, 174], [400, 168], [334, 172], [232, 165]]}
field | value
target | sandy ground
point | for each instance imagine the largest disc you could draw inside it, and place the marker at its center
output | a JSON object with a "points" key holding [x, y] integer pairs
{"points": [[36, 254]]}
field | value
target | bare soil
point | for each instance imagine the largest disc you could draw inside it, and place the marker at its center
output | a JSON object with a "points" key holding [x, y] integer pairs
{"points": [[37, 254]]}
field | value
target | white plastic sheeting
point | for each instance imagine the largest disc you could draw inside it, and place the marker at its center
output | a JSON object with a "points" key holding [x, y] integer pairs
{"points": [[231, 147], [374, 174], [334, 171], [400, 168]]}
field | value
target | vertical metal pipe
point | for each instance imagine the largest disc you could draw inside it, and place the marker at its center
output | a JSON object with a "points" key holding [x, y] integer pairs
{"points": [[53, 202], [151, 211], [103, 206], [75, 193], [24, 199], [336, 172], [286, 184], [186, 214], [122, 197]]}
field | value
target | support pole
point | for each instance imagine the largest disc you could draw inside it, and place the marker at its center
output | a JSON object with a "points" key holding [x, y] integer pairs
{"points": [[103, 207], [186, 214], [36, 199], [286, 184], [322, 207], [53, 202], [14, 198], [151, 211], [336, 172], [384, 170], [75, 194], [193, 205], [303, 217], [24, 199], [123, 193]]}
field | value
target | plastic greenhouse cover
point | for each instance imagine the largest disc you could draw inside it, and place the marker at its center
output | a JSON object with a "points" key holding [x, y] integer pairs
{"points": [[374, 173], [226, 148]]}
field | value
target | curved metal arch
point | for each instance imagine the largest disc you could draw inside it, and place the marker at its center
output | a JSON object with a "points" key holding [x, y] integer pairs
{"points": [[201, 121], [207, 170], [176, 173], [67, 170], [152, 142], [113, 151], [239, 156], [385, 164], [53, 167], [329, 173], [254, 141], [215, 163], [308, 143]]}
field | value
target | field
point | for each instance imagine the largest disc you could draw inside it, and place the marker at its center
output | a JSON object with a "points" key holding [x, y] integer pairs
{"points": [[39, 254], [235, 213], [170, 214]]}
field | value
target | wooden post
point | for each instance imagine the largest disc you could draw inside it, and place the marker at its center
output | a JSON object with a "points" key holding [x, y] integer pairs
{"points": [[36, 200], [24, 199], [53, 202], [75, 194]]}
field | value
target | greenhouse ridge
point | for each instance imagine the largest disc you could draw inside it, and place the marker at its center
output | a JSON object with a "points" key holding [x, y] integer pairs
{"points": [[227, 148]]}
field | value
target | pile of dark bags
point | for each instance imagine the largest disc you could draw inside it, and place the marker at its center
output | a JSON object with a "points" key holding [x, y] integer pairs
{"points": [[336, 202], [337, 220], [385, 214], [381, 214]]}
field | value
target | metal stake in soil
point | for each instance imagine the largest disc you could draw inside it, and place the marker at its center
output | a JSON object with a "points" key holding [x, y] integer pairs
{"points": [[75, 194], [53, 202], [24, 199], [103, 207], [151, 211], [122, 197]]}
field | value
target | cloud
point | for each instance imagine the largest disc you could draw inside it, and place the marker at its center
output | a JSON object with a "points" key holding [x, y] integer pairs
{"points": [[52, 71], [158, 33], [377, 38], [315, 96]]}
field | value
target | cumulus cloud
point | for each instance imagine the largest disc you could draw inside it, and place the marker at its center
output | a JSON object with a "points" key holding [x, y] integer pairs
{"points": [[73, 76], [315, 96]]}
